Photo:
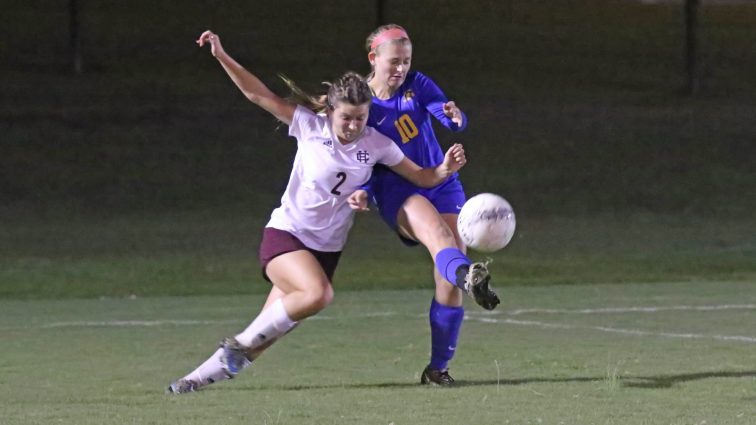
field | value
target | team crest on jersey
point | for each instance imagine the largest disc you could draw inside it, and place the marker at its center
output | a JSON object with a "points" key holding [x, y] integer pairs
{"points": [[363, 156], [328, 143], [409, 94]]}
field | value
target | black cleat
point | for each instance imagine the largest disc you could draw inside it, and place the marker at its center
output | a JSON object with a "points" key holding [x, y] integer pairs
{"points": [[476, 286], [435, 377]]}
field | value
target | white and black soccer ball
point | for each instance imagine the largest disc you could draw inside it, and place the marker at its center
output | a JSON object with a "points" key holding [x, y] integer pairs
{"points": [[486, 222]]}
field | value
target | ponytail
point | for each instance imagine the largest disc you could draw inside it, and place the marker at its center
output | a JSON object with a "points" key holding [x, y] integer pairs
{"points": [[350, 88]]}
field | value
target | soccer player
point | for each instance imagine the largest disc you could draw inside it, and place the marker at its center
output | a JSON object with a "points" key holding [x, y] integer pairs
{"points": [[302, 242], [402, 107]]}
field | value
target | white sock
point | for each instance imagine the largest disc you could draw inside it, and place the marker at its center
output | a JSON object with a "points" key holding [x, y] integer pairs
{"points": [[212, 370], [268, 326]]}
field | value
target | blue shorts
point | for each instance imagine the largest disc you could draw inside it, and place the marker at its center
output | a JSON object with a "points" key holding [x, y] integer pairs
{"points": [[389, 194]]}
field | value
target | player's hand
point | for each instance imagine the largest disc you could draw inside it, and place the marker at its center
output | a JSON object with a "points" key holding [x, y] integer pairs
{"points": [[358, 200], [455, 158], [213, 40], [451, 111]]}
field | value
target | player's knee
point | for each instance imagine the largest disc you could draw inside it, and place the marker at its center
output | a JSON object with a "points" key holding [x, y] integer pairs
{"points": [[327, 295], [319, 296]]}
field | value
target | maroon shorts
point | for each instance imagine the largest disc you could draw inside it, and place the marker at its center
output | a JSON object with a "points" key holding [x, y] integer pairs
{"points": [[276, 242]]}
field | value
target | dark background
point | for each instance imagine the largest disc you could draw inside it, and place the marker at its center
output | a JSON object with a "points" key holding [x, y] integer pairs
{"points": [[148, 173], [575, 106]]}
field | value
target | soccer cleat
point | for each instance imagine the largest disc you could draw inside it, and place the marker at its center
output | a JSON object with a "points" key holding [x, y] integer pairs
{"points": [[234, 356], [183, 386], [440, 378], [476, 286]]}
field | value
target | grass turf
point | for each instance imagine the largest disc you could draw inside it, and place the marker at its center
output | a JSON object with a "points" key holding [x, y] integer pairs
{"points": [[215, 252], [566, 362]]}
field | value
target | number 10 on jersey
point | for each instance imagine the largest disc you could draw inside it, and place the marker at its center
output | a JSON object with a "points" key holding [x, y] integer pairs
{"points": [[406, 128]]}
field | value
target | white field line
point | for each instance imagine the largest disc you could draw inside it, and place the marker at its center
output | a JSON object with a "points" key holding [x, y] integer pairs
{"points": [[614, 310], [636, 332], [135, 323], [485, 317], [151, 323]]}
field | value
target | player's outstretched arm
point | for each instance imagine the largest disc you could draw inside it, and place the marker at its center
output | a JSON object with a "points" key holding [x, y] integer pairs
{"points": [[454, 160], [248, 83]]}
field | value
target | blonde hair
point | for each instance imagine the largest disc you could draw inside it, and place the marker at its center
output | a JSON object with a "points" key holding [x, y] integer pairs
{"points": [[379, 30], [351, 88]]}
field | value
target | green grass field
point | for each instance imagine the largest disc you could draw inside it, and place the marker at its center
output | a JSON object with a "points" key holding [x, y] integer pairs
{"points": [[212, 252], [663, 353]]}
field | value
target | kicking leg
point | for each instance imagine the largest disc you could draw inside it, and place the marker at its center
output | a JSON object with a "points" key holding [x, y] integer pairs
{"points": [[419, 220]]}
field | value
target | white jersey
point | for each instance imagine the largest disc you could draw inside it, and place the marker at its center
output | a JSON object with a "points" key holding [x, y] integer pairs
{"points": [[314, 206]]}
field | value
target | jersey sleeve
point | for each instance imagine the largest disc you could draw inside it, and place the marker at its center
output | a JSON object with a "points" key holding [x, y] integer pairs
{"points": [[303, 122], [434, 99]]}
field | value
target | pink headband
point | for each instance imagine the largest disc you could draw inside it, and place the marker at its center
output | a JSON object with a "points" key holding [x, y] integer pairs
{"points": [[388, 35]]}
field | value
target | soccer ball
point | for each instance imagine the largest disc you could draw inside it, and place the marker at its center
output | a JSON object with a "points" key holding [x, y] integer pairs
{"points": [[486, 222]]}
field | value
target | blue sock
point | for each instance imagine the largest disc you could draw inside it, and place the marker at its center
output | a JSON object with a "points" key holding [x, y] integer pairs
{"points": [[448, 261], [445, 322]]}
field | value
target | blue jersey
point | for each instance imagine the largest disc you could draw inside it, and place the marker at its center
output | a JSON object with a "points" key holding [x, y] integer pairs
{"points": [[406, 119]]}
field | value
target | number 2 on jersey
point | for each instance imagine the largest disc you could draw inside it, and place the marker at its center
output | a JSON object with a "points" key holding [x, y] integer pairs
{"points": [[407, 129], [342, 177]]}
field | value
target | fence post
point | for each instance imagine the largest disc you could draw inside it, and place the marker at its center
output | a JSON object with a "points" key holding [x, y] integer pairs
{"points": [[75, 36], [691, 46]]}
